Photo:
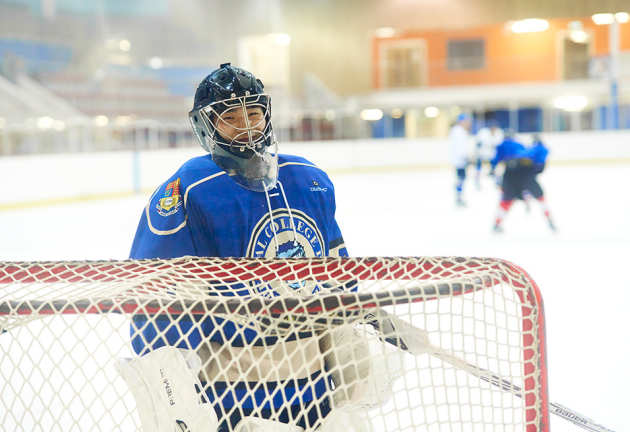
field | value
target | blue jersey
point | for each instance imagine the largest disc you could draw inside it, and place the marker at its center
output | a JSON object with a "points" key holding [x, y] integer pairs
{"points": [[538, 153], [507, 150], [200, 211]]}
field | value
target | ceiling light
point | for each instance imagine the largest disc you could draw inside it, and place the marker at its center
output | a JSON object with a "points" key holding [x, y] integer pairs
{"points": [[578, 36], [45, 122], [122, 120], [156, 63], [622, 17], [530, 25], [577, 33], [603, 18], [372, 114], [124, 45], [397, 113], [431, 112], [570, 103], [101, 120], [385, 32]]}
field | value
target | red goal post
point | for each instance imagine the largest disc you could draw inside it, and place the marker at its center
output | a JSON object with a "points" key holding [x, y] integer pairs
{"points": [[483, 319]]}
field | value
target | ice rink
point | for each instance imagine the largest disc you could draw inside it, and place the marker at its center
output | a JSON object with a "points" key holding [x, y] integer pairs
{"points": [[581, 269]]}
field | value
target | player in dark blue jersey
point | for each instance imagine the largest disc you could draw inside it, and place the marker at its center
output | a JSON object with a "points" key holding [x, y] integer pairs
{"points": [[510, 152], [519, 177], [538, 154], [243, 199]]}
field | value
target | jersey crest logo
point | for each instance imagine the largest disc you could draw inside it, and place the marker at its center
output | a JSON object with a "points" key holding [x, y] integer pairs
{"points": [[308, 238], [172, 200], [307, 241]]}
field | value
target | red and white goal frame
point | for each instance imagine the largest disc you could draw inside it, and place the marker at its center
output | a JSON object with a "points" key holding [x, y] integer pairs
{"points": [[64, 324]]}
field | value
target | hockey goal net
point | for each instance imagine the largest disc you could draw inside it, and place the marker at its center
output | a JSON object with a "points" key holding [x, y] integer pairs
{"points": [[363, 344]]}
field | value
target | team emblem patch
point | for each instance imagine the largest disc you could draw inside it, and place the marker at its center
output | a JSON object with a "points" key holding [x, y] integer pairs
{"points": [[306, 241], [172, 200]]}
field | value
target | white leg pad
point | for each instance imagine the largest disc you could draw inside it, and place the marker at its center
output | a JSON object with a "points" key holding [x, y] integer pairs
{"points": [[163, 384]]}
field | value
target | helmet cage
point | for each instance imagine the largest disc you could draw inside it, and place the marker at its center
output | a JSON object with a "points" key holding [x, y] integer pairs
{"points": [[234, 124], [243, 154]]}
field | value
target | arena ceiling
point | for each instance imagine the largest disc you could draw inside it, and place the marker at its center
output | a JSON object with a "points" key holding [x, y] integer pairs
{"points": [[449, 13]]}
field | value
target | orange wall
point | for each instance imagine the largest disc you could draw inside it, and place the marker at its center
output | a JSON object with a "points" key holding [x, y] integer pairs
{"points": [[510, 57]]}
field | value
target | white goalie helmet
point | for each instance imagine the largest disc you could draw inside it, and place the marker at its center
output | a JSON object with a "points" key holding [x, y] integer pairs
{"points": [[231, 119]]}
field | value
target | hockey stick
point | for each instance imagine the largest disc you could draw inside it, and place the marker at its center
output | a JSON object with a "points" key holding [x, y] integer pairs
{"points": [[416, 341]]}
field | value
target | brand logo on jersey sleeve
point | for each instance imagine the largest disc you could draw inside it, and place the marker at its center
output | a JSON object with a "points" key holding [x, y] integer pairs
{"points": [[317, 188], [172, 200]]}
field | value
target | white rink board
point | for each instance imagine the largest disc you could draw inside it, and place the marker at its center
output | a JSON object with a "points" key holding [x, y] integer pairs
{"points": [[77, 175]]}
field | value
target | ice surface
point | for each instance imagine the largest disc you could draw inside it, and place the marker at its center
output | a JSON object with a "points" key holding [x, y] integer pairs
{"points": [[582, 271]]}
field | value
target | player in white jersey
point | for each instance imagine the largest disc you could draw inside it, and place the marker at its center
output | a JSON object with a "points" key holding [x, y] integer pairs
{"points": [[460, 147], [487, 140]]}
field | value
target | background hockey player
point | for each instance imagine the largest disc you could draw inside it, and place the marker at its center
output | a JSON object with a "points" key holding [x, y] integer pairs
{"points": [[243, 199], [460, 153], [487, 140], [538, 154], [518, 176]]}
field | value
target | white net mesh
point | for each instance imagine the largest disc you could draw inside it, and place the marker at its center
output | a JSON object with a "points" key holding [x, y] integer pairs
{"points": [[363, 344]]}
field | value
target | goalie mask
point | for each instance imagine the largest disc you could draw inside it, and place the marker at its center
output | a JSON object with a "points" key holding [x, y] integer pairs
{"points": [[231, 118]]}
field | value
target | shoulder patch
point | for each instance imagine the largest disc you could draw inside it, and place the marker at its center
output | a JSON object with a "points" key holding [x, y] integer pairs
{"points": [[172, 199]]}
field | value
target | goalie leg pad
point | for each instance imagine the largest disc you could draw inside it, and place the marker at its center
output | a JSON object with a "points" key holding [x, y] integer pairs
{"points": [[163, 384]]}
